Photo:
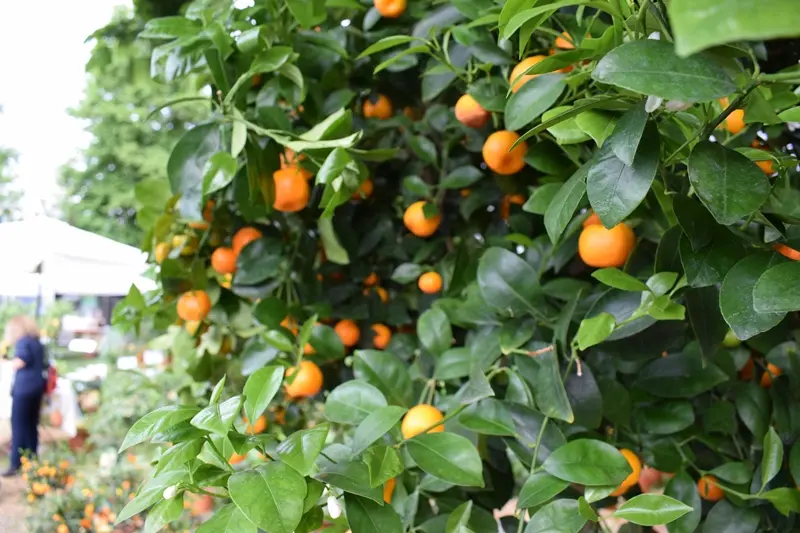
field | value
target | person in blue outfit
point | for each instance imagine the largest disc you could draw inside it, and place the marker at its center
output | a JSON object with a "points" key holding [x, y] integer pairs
{"points": [[28, 389]]}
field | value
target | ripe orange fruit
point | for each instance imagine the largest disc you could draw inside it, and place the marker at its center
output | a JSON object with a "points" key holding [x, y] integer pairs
{"points": [[709, 489], [258, 427], [307, 383], [372, 279], [518, 71], [633, 478], [63, 528], [194, 305], [766, 377], [382, 337], [766, 166], [388, 489], [419, 418], [735, 121], [565, 41], [465, 192], [746, 373], [161, 252], [593, 219], [245, 236], [383, 294], [223, 260], [414, 219], [505, 204], [187, 244], [291, 189], [365, 190], [430, 282], [785, 251], [600, 247], [381, 109], [348, 332], [390, 9], [235, 458], [497, 156], [470, 113]]}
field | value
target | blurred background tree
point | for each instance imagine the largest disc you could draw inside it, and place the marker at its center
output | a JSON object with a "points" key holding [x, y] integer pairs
{"points": [[128, 145], [10, 196]]}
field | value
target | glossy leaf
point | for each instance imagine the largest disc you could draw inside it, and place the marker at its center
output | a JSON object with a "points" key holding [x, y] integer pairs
{"points": [[595, 330], [218, 418], [301, 449], [588, 462], [488, 417], [543, 373], [684, 489], [383, 463], [434, 331], [565, 202], [613, 277], [560, 516], [229, 519], [532, 99], [271, 496], [353, 401], [725, 517], [652, 510], [186, 164], [376, 425], [507, 282], [366, 516], [624, 142], [352, 477], [449, 457], [539, 488], [736, 297], [162, 514], [259, 390], [776, 291], [387, 372], [772, 460]]}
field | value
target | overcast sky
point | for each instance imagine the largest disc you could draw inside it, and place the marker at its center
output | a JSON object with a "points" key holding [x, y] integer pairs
{"points": [[42, 60]]}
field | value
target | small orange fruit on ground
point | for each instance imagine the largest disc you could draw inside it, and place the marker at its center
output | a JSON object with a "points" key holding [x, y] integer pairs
{"points": [[709, 489], [419, 418], [371, 280], [223, 260], [258, 427], [735, 121], [161, 252], [633, 478], [497, 156], [505, 204], [785, 251], [245, 236], [565, 41], [388, 489], [382, 337], [348, 332], [770, 372], [470, 113], [600, 247], [518, 71], [291, 189], [235, 458], [365, 190], [430, 282], [307, 383], [194, 305], [381, 109], [593, 219], [414, 219], [390, 9]]}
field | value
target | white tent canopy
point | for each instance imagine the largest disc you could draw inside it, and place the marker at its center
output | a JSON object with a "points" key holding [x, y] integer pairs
{"points": [[70, 261]]}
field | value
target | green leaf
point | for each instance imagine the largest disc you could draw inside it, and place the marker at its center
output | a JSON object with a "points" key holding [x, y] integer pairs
{"points": [[725, 517], [705, 23], [459, 519], [665, 418], [543, 373], [772, 460], [279, 340], [652, 510], [681, 375], [406, 272], [178, 455], [560, 516], [624, 142], [352, 477], [219, 172], [162, 514], [737, 473], [566, 129], [330, 243], [383, 463], [490, 93], [565, 202], [147, 426], [387, 372], [238, 134], [229, 519], [434, 331], [386, 43], [423, 147], [151, 493], [790, 115], [651, 67], [301, 449], [218, 418], [270, 60], [453, 364], [541, 198], [588, 462], [614, 277], [794, 461], [533, 99], [260, 388], [447, 456], [753, 407], [539, 488], [784, 499], [702, 305], [477, 388], [186, 165], [461, 177], [709, 265], [169, 28], [308, 13], [696, 222], [594, 330], [270, 496], [777, 290], [595, 494], [488, 417], [376, 425], [736, 297], [326, 342], [683, 488], [507, 282], [352, 401], [366, 516], [258, 261], [333, 166], [727, 183], [616, 189]]}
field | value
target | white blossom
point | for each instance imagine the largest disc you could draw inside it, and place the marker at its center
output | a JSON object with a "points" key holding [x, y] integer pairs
{"points": [[334, 507]]}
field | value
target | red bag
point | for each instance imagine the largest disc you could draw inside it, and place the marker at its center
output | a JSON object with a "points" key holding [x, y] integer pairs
{"points": [[52, 379]]}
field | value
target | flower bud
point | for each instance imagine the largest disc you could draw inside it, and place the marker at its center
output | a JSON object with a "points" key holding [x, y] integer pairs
{"points": [[334, 507], [652, 103], [170, 492]]}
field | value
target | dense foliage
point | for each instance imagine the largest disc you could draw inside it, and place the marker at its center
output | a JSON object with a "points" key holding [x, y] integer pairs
{"points": [[531, 250]]}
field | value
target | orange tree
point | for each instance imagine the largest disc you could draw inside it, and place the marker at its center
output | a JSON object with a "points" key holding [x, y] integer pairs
{"points": [[451, 254]]}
